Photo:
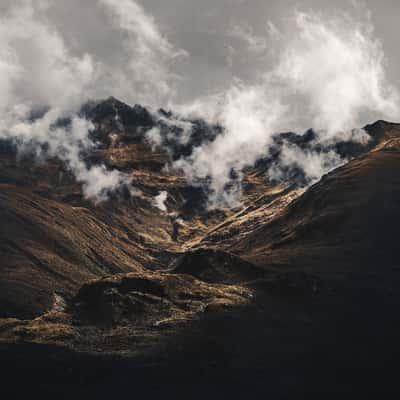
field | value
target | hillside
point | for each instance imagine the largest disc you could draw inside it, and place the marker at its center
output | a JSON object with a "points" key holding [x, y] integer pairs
{"points": [[295, 275], [53, 239], [347, 222]]}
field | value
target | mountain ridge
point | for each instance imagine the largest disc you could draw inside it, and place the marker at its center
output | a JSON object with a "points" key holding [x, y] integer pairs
{"points": [[54, 241]]}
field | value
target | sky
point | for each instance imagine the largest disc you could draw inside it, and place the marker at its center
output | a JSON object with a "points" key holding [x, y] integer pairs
{"points": [[256, 67], [205, 30], [214, 36]]}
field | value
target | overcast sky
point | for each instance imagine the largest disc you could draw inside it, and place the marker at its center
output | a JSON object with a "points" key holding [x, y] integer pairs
{"points": [[204, 28], [210, 32], [222, 39]]}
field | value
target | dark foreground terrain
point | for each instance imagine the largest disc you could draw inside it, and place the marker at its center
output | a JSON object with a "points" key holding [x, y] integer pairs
{"points": [[294, 294], [329, 348]]}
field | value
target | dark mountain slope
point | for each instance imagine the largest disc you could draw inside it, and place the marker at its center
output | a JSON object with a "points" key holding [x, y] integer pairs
{"points": [[48, 246], [347, 221], [215, 267]]}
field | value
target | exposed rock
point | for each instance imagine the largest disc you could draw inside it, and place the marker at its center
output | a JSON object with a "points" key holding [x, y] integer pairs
{"points": [[148, 298]]}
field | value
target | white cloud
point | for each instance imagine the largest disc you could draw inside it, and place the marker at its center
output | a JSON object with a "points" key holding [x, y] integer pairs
{"points": [[67, 144], [330, 71], [249, 115], [312, 163], [153, 136], [149, 53], [160, 200], [337, 66], [39, 71]]}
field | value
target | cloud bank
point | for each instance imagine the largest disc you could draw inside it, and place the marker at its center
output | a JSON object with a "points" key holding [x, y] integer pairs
{"points": [[328, 73]]}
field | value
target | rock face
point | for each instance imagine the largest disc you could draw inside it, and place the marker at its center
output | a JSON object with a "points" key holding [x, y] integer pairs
{"points": [[146, 299]]}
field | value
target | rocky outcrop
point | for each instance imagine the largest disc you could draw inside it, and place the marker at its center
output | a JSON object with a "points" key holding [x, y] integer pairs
{"points": [[150, 299], [215, 266]]}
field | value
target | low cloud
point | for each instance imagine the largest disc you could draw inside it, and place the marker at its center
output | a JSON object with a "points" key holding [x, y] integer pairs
{"points": [[39, 71], [249, 116], [160, 201], [312, 164], [329, 72], [45, 139]]}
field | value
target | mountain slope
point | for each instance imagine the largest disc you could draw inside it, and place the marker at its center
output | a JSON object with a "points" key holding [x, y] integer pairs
{"points": [[347, 221], [294, 293], [53, 240]]}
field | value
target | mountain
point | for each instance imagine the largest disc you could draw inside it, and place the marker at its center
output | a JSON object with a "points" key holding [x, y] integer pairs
{"points": [[297, 277], [345, 222], [53, 239]]}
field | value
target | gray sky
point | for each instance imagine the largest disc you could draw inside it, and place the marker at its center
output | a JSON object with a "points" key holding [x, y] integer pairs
{"points": [[202, 28], [173, 53], [205, 30]]}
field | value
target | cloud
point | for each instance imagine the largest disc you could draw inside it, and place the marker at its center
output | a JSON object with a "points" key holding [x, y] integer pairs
{"points": [[170, 130], [337, 66], [39, 68], [330, 71], [249, 116], [245, 33], [45, 139], [159, 201], [149, 52], [154, 137], [36, 63], [39, 71], [313, 164]]}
